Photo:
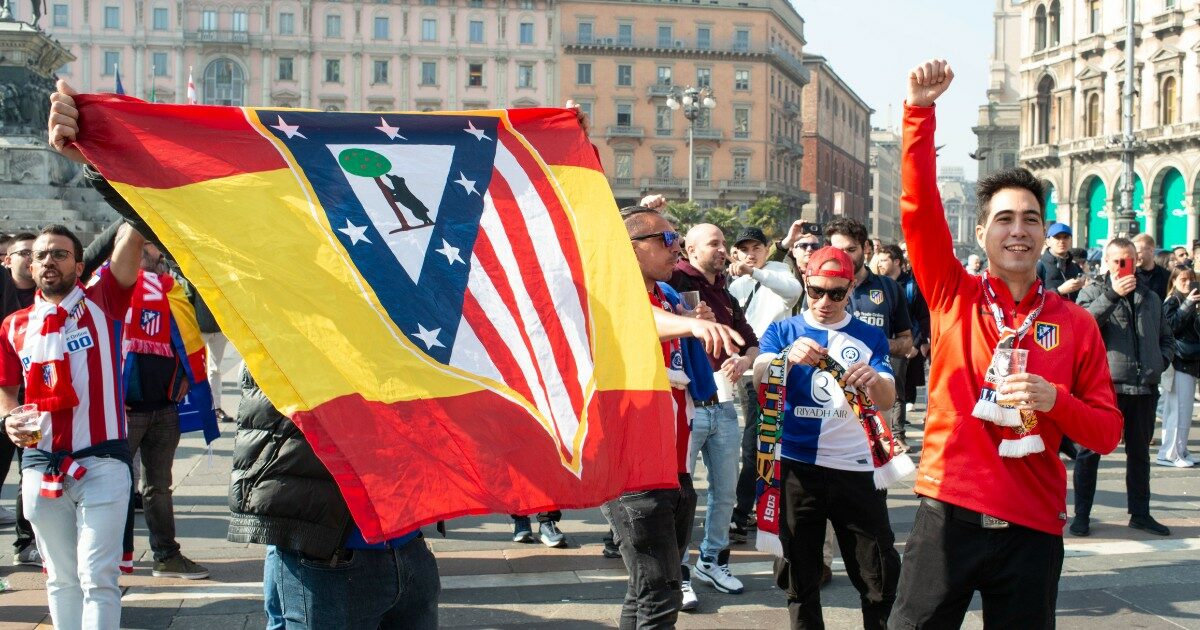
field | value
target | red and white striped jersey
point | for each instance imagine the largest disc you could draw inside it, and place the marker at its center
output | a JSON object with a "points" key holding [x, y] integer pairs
{"points": [[92, 336]]}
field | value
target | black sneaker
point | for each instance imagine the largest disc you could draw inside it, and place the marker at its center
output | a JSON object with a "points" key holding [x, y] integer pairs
{"points": [[1081, 526], [222, 416], [521, 530], [137, 502], [737, 533], [1146, 523]]}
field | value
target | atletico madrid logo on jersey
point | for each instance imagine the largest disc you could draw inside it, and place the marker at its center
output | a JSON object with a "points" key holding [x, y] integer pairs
{"points": [[48, 375], [876, 296], [1046, 336]]}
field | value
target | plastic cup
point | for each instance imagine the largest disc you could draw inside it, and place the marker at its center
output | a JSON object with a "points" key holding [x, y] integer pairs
{"points": [[691, 299], [29, 419], [1010, 361]]}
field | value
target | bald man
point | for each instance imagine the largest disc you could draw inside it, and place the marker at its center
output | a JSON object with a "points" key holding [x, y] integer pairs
{"points": [[715, 431]]}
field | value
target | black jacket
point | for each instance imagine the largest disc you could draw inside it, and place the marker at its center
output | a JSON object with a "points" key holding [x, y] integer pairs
{"points": [[279, 492], [1054, 271], [1185, 325], [1136, 335]]}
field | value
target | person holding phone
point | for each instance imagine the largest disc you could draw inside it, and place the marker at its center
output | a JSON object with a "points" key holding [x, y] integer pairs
{"points": [[1140, 346], [1180, 312]]}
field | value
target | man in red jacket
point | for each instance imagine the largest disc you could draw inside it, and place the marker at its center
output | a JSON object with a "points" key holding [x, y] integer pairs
{"points": [[993, 489]]}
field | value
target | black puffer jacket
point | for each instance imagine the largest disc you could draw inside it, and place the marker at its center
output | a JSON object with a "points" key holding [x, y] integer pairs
{"points": [[280, 493], [1185, 325]]}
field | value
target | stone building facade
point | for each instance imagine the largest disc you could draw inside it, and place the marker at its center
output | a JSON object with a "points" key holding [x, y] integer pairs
{"points": [[884, 163], [999, 127], [1072, 78], [962, 209], [836, 143]]}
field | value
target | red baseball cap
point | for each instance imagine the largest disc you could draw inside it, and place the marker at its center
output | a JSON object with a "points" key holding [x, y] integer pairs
{"points": [[826, 254]]}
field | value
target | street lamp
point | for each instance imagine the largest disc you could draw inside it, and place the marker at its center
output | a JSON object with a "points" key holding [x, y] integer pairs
{"points": [[692, 101]]}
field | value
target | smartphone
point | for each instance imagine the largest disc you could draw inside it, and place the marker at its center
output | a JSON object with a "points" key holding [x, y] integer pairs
{"points": [[811, 228], [1124, 268]]}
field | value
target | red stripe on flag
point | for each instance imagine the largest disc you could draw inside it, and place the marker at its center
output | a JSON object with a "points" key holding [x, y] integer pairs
{"points": [[167, 146], [421, 461], [494, 344], [97, 420], [513, 220], [558, 217], [556, 135]]}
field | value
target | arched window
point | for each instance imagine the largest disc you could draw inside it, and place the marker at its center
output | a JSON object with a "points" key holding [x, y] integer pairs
{"points": [[1168, 99], [224, 83], [1092, 118], [1042, 111], [1053, 19], [1039, 28]]}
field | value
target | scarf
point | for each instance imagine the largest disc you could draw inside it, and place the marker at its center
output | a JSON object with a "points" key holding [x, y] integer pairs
{"points": [[890, 466], [148, 320], [1020, 434], [48, 379]]}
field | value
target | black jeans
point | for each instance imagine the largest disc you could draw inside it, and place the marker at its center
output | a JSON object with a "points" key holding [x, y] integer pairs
{"points": [[155, 434], [899, 412], [544, 517], [946, 560], [653, 528], [1138, 411], [24, 529], [849, 500], [747, 481]]}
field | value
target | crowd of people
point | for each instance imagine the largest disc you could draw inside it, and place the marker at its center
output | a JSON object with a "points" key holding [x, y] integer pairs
{"points": [[818, 340]]}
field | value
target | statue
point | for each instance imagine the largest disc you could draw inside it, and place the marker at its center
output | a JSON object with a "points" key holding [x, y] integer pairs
{"points": [[6, 11]]}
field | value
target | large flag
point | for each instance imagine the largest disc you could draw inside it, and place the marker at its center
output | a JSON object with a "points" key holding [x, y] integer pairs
{"points": [[446, 304], [120, 89], [191, 88]]}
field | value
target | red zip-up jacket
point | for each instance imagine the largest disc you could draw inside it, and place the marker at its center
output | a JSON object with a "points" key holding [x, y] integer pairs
{"points": [[960, 459]]}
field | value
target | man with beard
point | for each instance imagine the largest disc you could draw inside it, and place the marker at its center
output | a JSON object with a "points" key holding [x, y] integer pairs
{"points": [[16, 293], [715, 427]]}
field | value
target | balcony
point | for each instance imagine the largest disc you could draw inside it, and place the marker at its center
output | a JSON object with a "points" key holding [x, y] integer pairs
{"points": [[791, 109], [625, 131], [658, 90], [1039, 155], [663, 183], [210, 36], [707, 133], [1117, 37], [1171, 138], [787, 145], [1167, 23], [742, 185], [1090, 45], [789, 64], [622, 182]]}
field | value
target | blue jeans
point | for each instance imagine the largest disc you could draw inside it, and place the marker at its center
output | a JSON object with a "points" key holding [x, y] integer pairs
{"points": [[272, 602], [715, 433], [369, 588]]}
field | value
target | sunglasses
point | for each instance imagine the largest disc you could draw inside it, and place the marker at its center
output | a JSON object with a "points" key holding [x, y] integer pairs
{"points": [[669, 238], [58, 255], [816, 293], [812, 247]]}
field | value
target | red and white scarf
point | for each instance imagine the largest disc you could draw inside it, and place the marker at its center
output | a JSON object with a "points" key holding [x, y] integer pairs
{"points": [[148, 320], [1021, 435]]}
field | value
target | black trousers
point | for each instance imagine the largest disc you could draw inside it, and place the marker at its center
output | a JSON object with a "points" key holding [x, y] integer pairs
{"points": [[748, 475], [914, 376], [946, 560], [1138, 411], [899, 412], [544, 517], [23, 527], [812, 495]]}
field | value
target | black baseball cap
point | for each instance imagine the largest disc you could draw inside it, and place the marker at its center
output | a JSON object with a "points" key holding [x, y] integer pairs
{"points": [[750, 234]]}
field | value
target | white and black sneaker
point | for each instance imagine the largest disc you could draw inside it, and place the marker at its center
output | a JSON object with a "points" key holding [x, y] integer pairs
{"points": [[716, 574], [690, 602]]}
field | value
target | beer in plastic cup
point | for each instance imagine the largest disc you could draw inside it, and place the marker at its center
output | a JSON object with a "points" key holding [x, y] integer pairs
{"points": [[29, 419]]}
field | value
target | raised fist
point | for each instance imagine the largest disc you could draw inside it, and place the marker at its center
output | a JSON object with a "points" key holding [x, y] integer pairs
{"points": [[927, 81]]}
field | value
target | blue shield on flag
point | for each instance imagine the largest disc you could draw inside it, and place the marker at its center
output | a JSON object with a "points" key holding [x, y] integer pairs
{"points": [[151, 322], [1046, 336]]}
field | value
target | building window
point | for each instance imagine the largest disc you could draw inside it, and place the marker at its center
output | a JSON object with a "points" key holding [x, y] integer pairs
{"points": [[1039, 28], [241, 21], [112, 61], [474, 75], [159, 18], [704, 118], [703, 169], [60, 15], [704, 38], [112, 17], [429, 3], [475, 32], [1168, 96], [428, 73], [208, 20], [1092, 117], [625, 34], [158, 63], [526, 5], [428, 30], [379, 75], [666, 37], [624, 75], [224, 83], [583, 73], [662, 166], [333, 70], [333, 25], [382, 28], [741, 122], [662, 120], [664, 75], [623, 163], [703, 77], [585, 32], [287, 23], [526, 32], [1053, 19], [1093, 16], [586, 108], [624, 115], [741, 80], [1043, 105], [525, 75], [475, 4], [285, 69], [741, 40], [741, 169]]}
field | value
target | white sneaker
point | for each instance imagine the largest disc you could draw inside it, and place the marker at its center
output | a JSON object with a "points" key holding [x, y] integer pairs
{"points": [[1189, 459], [1165, 462], [716, 574], [910, 407], [7, 517], [28, 556], [690, 602], [1182, 463]]}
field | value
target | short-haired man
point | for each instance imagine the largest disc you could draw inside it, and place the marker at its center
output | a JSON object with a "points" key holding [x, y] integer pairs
{"points": [[889, 263], [1139, 343], [715, 427], [993, 503], [75, 478], [767, 291], [974, 265], [1149, 273], [1180, 255], [829, 465], [1056, 268], [16, 292]]}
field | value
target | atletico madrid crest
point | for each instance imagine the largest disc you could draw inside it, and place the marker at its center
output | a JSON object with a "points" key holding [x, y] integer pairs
{"points": [[1046, 336], [151, 322], [876, 296]]}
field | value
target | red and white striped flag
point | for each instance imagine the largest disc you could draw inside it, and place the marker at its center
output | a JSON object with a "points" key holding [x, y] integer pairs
{"points": [[191, 88]]}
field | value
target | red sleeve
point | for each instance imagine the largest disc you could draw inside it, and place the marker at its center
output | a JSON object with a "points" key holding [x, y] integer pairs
{"points": [[11, 373], [110, 296], [930, 245], [1088, 413]]}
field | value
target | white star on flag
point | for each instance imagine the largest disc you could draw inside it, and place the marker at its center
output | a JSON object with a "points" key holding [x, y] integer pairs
{"points": [[467, 184], [290, 130], [392, 132], [451, 253], [429, 337], [355, 232], [478, 133]]}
